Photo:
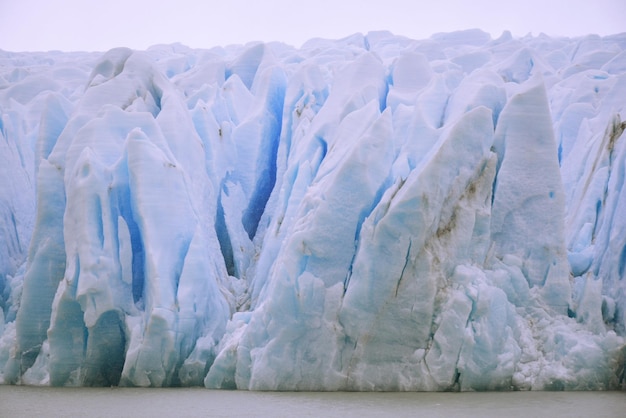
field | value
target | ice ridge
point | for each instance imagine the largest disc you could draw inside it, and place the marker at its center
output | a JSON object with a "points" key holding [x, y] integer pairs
{"points": [[370, 213]]}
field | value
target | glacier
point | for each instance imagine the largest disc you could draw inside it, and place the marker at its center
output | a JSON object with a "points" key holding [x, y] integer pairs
{"points": [[373, 213]]}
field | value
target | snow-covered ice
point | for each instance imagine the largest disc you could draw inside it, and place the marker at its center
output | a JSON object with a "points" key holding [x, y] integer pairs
{"points": [[370, 213]]}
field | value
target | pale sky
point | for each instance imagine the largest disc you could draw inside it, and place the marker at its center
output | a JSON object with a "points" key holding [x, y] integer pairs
{"points": [[98, 25]]}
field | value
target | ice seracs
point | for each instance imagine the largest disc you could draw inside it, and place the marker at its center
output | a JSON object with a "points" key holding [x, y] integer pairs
{"points": [[371, 213]]}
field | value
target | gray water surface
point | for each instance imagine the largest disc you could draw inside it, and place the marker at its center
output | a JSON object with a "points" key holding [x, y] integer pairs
{"points": [[21, 401]]}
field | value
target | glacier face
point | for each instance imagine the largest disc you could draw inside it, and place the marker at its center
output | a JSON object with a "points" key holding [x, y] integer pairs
{"points": [[371, 213]]}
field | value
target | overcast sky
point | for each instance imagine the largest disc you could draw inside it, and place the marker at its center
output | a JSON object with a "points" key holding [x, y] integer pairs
{"points": [[98, 25]]}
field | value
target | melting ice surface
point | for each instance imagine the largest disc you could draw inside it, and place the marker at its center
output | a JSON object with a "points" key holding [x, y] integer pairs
{"points": [[371, 213]]}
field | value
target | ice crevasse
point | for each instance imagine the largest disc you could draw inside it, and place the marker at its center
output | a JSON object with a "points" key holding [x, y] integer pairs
{"points": [[370, 213]]}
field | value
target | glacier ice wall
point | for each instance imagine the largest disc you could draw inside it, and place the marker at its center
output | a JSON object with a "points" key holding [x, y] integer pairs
{"points": [[371, 213]]}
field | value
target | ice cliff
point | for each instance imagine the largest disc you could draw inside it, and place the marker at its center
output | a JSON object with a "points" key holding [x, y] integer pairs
{"points": [[371, 213]]}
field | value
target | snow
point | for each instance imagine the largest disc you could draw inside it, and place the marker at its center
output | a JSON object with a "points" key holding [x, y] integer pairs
{"points": [[370, 213]]}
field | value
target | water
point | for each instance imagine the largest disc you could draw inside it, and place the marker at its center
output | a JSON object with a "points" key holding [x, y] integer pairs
{"points": [[20, 401]]}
